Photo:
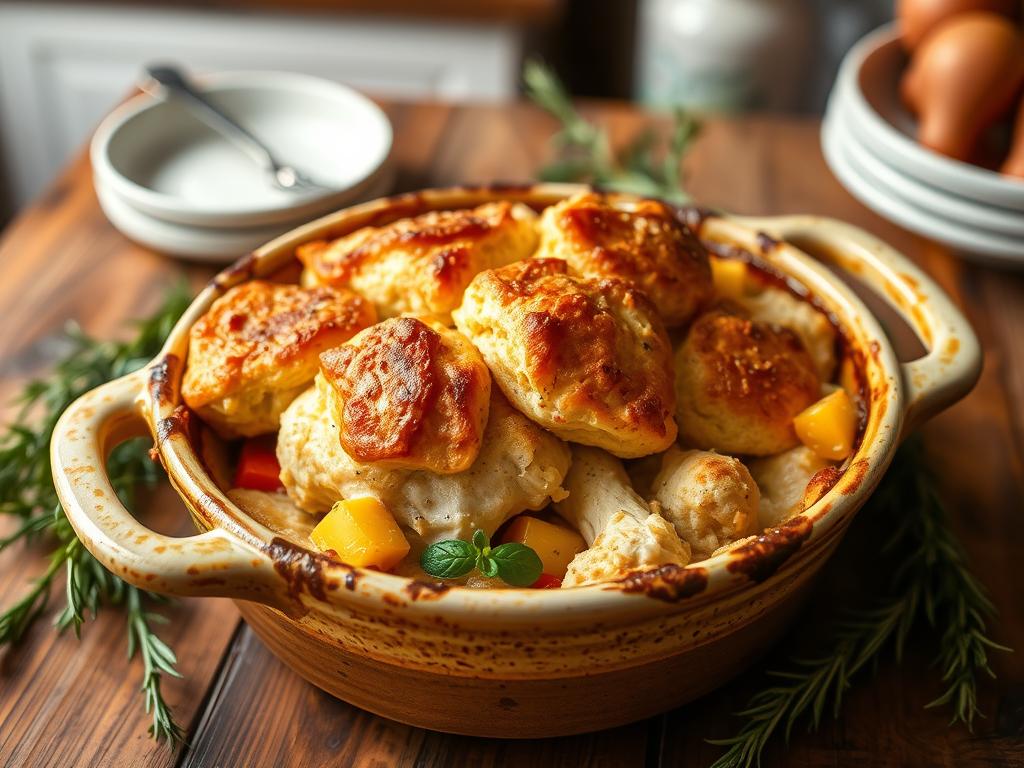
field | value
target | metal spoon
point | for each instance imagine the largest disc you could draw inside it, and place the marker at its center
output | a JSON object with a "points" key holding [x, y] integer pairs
{"points": [[284, 176]]}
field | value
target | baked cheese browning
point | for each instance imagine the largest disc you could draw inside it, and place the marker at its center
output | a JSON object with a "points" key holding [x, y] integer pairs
{"points": [[740, 382], [409, 395], [586, 358], [422, 265], [637, 240], [258, 347]]}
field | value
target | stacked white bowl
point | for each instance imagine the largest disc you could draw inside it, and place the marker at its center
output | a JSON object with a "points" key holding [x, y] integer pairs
{"points": [[868, 141], [171, 183]]}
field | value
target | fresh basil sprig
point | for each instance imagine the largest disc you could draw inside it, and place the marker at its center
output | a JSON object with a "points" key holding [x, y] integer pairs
{"points": [[513, 563]]}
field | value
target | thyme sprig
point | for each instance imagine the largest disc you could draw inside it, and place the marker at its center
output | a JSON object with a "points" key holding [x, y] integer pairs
{"points": [[931, 583], [586, 153], [27, 495]]}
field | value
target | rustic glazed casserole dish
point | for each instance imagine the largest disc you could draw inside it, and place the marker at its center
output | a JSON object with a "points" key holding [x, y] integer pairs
{"points": [[516, 662]]}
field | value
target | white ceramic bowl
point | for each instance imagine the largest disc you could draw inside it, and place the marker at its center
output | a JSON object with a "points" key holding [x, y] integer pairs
{"points": [[995, 248], [217, 245], [958, 210], [161, 160], [867, 89]]}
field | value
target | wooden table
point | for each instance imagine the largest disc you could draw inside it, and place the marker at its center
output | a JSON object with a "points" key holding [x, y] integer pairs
{"points": [[70, 702]]}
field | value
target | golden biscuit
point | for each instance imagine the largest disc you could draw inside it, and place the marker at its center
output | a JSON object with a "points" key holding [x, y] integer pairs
{"points": [[637, 240], [422, 265], [409, 395], [520, 467], [739, 383], [586, 358], [774, 305], [258, 347]]}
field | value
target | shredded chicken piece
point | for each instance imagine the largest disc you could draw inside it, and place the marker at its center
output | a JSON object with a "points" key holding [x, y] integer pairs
{"points": [[623, 533], [627, 544]]}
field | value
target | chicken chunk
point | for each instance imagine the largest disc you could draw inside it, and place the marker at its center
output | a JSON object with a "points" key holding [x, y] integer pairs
{"points": [[617, 524], [782, 480], [627, 544], [711, 500]]}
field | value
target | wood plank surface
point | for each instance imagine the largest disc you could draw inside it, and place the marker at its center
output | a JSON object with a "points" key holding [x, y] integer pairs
{"points": [[69, 702]]}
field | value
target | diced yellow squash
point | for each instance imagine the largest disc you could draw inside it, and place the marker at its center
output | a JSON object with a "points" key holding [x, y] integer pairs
{"points": [[362, 532], [555, 545], [729, 277], [828, 427]]}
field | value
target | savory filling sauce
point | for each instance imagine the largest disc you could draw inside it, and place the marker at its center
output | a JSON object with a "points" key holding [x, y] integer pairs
{"points": [[495, 397]]}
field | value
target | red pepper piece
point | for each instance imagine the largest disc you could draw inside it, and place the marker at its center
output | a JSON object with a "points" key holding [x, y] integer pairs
{"points": [[546, 581], [257, 465]]}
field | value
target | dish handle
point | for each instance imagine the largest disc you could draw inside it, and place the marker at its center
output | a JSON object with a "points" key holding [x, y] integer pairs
{"points": [[214, 563], [952, 363]]}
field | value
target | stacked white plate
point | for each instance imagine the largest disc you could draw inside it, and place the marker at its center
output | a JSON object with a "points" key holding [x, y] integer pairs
{"points": [[168, 181], [868, 141]]}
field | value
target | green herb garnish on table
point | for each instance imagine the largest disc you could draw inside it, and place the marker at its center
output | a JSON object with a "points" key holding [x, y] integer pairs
{"points": [[931, 585], [585, 153], [28, 497]]}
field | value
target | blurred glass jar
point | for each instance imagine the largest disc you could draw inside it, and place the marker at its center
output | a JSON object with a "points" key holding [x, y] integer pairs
{"points": [[724, 54]]}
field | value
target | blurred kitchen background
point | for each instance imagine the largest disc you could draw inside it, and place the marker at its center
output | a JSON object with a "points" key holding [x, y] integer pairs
{"points": [[64, 65]]}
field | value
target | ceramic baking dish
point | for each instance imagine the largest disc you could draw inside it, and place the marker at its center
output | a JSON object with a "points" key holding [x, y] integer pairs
{"points": [[514, 663]]}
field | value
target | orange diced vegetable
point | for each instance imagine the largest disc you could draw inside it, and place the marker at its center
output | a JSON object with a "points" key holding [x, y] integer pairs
{"points": [[828, 427], [546, 581], [257, 465], [363, 533], [729, 277], [555, 545]]}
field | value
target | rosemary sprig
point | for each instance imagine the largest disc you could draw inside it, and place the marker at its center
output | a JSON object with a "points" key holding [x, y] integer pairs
{"points": [[27, 494], [586, 154], [931, 582], [158, 660]]}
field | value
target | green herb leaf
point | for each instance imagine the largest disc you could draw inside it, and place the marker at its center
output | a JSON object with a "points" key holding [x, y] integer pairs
{"points": [[518, 565], [514, 563], [480, 540], [449, 559], [487, 565]]}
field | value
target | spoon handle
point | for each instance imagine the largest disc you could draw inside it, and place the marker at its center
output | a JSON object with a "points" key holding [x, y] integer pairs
{"points": [[172, 79]]}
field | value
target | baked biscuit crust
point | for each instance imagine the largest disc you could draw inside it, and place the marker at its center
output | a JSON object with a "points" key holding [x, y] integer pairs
{"points": [[637, 240], [586, 358], [740, 382], [258, 347], [422, 265], [409, 395]]}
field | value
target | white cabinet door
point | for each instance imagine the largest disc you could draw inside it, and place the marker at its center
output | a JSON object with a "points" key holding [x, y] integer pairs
{"points": [[62, 67]]}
